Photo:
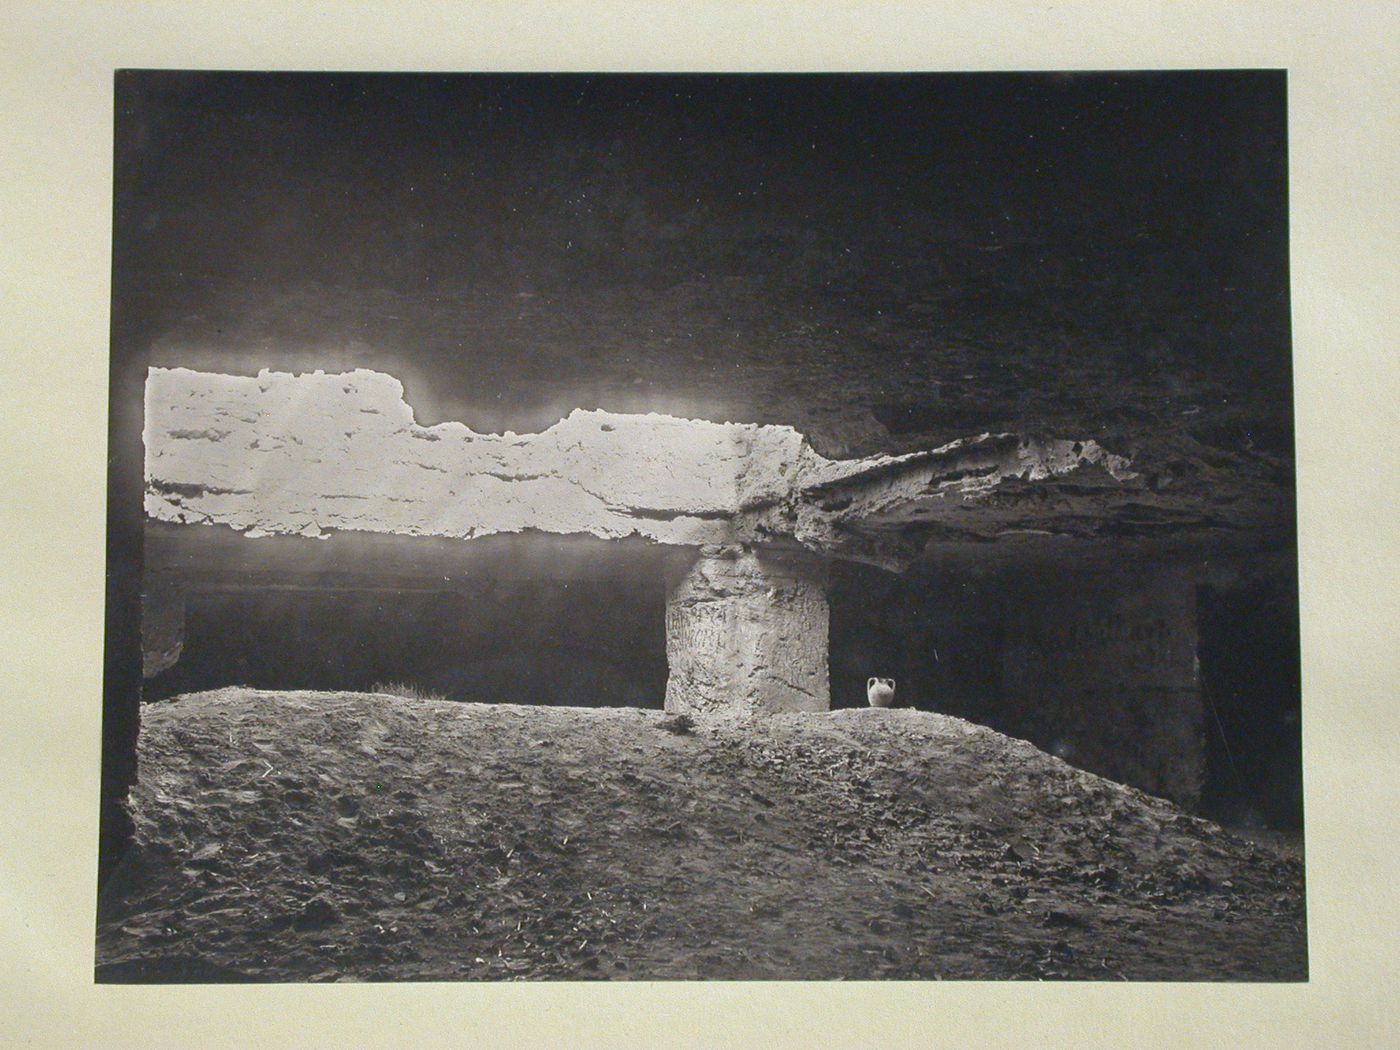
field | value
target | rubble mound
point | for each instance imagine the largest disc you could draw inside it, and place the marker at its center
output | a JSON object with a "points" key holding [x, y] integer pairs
{"points": [[315, 836]]}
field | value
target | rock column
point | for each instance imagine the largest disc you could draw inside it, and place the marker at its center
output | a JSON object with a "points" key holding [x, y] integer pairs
{"points": [[747, 633]]}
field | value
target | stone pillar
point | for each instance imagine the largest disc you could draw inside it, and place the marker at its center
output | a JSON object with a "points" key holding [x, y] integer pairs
{"points": [[746, 633], [162, 627], [1104, 674]]}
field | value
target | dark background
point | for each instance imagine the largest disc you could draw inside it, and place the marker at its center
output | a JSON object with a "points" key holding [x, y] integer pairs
{"points": [[513, 246]]}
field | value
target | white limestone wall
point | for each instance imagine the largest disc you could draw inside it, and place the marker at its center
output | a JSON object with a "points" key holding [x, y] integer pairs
{"points": [[278, 453], [315, 453]]}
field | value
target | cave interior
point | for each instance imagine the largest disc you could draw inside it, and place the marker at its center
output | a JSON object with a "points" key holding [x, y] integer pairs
{"points": [[905, 261]]}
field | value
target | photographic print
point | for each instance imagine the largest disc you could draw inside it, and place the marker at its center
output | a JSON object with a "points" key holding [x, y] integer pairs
{"points": [[701, 527]]}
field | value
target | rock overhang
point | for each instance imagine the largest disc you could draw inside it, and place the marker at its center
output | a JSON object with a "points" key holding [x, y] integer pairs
{"points": [[313, 453], [283, 453]]}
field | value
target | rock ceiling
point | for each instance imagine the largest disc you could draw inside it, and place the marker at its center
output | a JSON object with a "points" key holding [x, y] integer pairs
{"points": [[880, 285]]}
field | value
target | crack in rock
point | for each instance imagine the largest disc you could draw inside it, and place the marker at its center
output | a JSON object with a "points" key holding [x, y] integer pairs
{"points": [[279, 453]]}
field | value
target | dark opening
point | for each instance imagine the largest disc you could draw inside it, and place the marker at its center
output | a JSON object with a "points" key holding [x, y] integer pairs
{"points": [[939, 638], [944, 638], [1251, 682], [588, 643]]}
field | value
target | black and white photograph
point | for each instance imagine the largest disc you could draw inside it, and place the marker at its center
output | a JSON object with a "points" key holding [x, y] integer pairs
{"points": [[689, 527]]}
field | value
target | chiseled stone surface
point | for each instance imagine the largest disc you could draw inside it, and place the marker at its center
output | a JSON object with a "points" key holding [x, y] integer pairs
{"points": [[746, 634], [309, 454], [279, 453]]}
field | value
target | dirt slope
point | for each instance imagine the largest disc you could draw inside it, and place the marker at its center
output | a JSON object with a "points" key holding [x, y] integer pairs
{"points": [[322, 836]]}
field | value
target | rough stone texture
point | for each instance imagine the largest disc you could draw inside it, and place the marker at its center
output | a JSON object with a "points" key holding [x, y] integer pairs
{"points": [[314, 453], [878, 296], [162, 626], [1105, 676], [859, 845], [305, 454], [746, 633], [885, 509]]}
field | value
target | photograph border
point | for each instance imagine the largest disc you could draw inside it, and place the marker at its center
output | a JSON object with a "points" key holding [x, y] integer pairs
{"points": [[56, 101]]}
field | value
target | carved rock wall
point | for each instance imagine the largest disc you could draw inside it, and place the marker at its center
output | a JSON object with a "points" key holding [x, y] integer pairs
{"points": [[281, 453], [310, 454], [1106, 677]]}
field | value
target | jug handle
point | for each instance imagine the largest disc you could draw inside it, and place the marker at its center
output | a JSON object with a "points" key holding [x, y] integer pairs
{"points": [[869, 682]]}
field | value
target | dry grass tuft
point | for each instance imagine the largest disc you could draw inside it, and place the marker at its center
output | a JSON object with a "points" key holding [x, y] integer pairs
{"points": [[407, 690]]}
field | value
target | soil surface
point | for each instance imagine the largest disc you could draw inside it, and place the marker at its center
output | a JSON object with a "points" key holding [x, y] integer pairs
{"points": [[315, 836]]}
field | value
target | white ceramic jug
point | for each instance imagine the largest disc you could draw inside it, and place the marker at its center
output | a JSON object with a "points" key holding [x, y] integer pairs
{"points": [[880, 692]]}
